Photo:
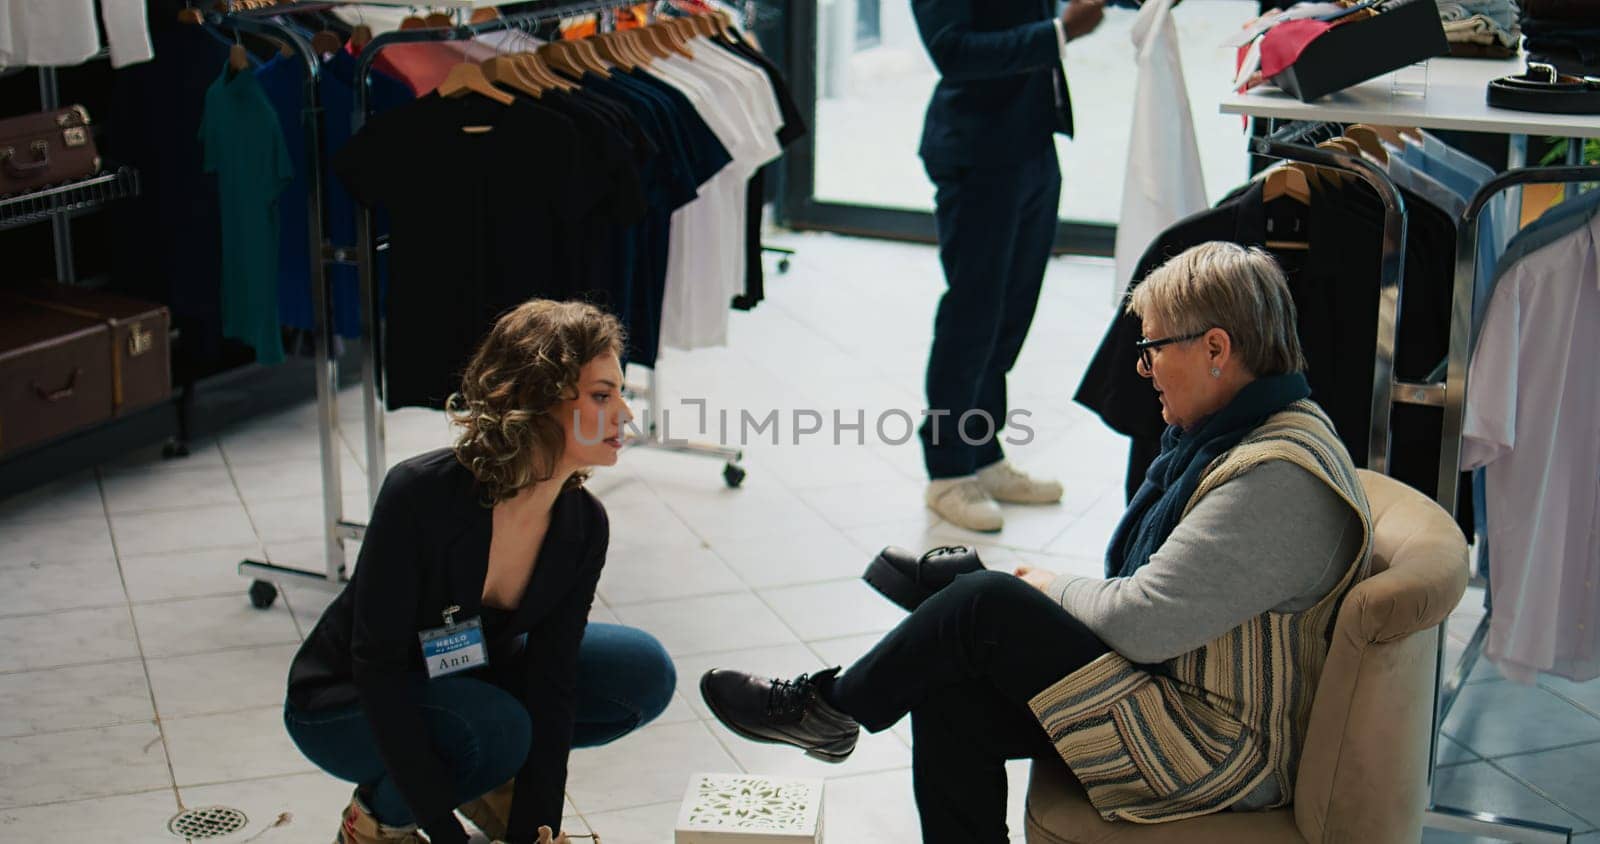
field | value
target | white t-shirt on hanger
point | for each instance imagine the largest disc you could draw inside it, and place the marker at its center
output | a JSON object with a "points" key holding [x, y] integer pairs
{"points": [[700, 229], [696, 311], [57, 33]]}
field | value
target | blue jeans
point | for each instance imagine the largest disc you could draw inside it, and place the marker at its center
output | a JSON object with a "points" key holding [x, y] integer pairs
{"points": [[625, 680]]}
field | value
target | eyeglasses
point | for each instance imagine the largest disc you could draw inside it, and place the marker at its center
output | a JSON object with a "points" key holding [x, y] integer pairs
{"points": [[1147, 348]]}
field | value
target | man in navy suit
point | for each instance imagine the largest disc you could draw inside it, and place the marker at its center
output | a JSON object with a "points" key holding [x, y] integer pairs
{"points": [[987, 145]]}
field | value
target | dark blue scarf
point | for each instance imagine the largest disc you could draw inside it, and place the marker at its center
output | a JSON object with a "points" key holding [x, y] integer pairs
{"points": [[1175, 474]]}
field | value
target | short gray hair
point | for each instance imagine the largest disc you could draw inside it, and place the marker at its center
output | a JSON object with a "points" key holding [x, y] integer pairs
{"points": [[1238, 289]]}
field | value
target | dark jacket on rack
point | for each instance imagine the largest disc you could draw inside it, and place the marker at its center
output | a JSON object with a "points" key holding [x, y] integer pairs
{"points": [[1335, 289], [1001, 92], [427, 548]]}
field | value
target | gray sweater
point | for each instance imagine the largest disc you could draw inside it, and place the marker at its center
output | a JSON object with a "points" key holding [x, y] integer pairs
{"points": [[1273, 538]]}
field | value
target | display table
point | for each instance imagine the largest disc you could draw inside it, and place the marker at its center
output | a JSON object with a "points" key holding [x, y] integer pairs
{"points": [[1454, 99]]}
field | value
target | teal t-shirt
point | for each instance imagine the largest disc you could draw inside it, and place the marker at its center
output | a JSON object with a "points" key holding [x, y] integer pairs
{"points": [[244, 146]]}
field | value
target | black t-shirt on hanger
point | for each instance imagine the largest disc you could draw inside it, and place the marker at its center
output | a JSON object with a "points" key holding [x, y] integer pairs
{"points": [[475, 190]]}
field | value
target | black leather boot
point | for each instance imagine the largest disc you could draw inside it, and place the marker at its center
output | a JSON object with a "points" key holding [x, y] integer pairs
{"points": [[908, 580], [781, 711]]}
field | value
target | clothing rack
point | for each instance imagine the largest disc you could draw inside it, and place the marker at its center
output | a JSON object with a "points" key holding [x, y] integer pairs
{"points": [[265, 21], [1449, 394], [372, 378], [1462, 341]]}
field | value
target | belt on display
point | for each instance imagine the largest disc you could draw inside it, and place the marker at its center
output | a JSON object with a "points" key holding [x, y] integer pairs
{"points": [[1543, 88]]}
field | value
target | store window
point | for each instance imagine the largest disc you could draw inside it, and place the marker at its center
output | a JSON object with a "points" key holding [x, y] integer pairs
{"points": [[873, 81], [869, 23]]}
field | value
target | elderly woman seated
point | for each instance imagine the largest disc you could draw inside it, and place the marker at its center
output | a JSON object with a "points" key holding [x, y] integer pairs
{"points": [[1179, 685]]}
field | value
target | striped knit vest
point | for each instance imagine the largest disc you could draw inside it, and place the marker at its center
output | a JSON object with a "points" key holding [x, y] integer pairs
{"points": [[1195, 734]]}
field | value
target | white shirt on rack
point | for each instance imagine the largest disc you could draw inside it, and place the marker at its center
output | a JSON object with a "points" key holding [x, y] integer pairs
{"points": [[58, 33], [763, 117], [1162, 183], [1533, 419], [694, 312]]}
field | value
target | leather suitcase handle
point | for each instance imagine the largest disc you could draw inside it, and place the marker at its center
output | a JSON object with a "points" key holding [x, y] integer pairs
{"points": [[61, 394], [19, 168]]}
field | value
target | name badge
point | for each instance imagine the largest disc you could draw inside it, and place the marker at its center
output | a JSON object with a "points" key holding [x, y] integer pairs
{"points": [[453, 648]]}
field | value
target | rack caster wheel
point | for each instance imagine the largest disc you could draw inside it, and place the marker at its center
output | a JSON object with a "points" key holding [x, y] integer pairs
{"points": [[783, 265], [262, 594], [175, 448], [733, 474]]}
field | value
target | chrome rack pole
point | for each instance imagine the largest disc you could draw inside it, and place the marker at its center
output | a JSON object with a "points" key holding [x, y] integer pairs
{"points": [[1463, 336], [60, 224], [335, 528]]}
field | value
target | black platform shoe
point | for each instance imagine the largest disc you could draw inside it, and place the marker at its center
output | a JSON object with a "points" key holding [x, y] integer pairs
{"points": [[908, 580]]}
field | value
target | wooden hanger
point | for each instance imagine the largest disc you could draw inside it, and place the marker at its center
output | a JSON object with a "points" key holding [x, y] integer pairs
{"points": [[558, 55], [361, 36], [439, 20], [189, 14], [1389, 134], [1287, 181], [413, 21], [1333, 175], [673, 36], [597, 62], [1369, 142], [657, 36], [326, 42], [608, 46], [238, 58], [640, 41], [504, 70], [485, 13], [467, 78], [537, 72], [634, 42]]}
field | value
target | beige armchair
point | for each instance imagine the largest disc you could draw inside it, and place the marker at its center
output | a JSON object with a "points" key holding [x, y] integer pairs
{"points": [[1363, 774]]}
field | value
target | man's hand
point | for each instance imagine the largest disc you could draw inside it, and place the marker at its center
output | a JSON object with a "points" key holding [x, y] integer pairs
{"points": [[1081, 17], [1039, 579]]}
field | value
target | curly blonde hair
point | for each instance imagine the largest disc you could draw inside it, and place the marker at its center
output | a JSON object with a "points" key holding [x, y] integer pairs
{"points": [[508, 434]]}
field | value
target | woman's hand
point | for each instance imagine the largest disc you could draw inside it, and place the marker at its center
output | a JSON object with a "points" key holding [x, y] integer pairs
{"points": [[1039, 579]]}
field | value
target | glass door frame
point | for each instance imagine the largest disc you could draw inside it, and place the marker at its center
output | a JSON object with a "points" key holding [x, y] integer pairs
{"points": [[797, 205]]}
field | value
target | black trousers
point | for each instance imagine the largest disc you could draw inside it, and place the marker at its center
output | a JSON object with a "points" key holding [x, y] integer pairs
{"points": [[996, 224], [965, 665]]}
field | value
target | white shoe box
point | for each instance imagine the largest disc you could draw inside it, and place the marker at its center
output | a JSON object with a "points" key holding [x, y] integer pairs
{"points": [[750, 809]]}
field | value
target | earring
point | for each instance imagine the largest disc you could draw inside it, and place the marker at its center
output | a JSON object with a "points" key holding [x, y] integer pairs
{"points": [[1215, 372]]}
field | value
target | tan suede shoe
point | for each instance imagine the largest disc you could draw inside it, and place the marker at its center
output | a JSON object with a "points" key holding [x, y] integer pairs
{"points": [[360, 827], [491, 813]]}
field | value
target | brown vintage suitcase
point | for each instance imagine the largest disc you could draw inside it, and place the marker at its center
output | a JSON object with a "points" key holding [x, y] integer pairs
{"points": [[141, 362], [55, 374], [46, 148]]}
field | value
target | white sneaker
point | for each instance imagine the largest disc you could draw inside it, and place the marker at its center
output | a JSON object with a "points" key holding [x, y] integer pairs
{"points": [[963, 503], [1005, 482]]}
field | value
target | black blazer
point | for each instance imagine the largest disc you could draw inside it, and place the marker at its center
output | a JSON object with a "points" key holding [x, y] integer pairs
{"points": [[427, 548], [1001, 91]]}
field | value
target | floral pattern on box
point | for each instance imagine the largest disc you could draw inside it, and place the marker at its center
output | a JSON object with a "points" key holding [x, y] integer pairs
{"points": [[754, 804]]}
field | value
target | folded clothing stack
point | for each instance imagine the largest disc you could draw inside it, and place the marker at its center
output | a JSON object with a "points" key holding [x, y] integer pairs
{"points": [[1565, 33], [1480, 28]]}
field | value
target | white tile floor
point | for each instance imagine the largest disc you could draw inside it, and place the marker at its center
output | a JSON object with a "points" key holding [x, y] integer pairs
{"points": [[135, 678]]}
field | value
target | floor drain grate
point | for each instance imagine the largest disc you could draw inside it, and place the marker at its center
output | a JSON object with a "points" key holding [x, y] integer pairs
{"points": [[208, 822]]}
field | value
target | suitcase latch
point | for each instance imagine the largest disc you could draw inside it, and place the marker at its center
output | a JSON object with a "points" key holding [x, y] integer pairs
{"points": [[140, 341], [75, 136]]}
